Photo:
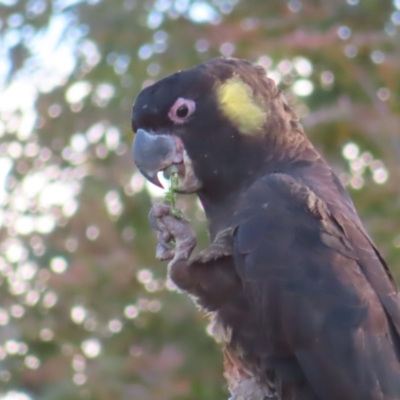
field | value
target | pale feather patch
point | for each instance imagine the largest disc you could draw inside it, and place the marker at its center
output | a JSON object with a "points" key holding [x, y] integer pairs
{"points": [[240, 106], [220, 333]]}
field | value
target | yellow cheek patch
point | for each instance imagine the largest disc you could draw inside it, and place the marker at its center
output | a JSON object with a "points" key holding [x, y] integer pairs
{"points": [[240, 106]]}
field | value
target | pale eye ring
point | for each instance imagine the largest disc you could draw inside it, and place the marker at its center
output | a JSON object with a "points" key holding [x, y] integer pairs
{"points": [[181, 110]]}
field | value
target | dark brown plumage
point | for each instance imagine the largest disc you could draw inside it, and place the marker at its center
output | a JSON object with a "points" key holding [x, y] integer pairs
{"points": [[300, 299]]}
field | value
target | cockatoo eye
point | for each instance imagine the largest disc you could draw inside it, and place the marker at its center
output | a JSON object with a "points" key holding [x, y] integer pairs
{"points": [[181, 110]]}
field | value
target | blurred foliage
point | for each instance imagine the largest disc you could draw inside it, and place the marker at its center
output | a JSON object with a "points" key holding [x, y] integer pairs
{"points": [[85, 310]]}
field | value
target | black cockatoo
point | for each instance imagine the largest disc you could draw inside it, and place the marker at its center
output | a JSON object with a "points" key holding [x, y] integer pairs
{"points": [[303, 304]]}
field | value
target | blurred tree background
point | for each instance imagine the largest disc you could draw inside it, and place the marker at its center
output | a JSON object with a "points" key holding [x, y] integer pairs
{"points": [[85, 310]]}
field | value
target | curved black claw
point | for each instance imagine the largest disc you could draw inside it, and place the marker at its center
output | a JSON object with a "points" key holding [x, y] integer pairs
{"points": [[154, 221]]}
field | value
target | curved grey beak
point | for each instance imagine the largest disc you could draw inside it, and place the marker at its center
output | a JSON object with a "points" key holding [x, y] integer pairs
{"points": [[153, 153]]}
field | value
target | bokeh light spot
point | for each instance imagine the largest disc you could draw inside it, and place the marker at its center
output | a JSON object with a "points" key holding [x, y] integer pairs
{"points": [[91, 348], [350, 151]]}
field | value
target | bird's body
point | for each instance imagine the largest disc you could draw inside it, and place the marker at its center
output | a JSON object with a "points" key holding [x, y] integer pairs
{"points": [[299, 297]]}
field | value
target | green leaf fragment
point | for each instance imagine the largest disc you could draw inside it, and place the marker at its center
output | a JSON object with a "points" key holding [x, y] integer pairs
{"points": [[170, 196]]}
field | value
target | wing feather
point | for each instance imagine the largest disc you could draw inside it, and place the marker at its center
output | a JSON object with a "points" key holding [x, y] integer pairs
{"points": [[321, 290]]}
